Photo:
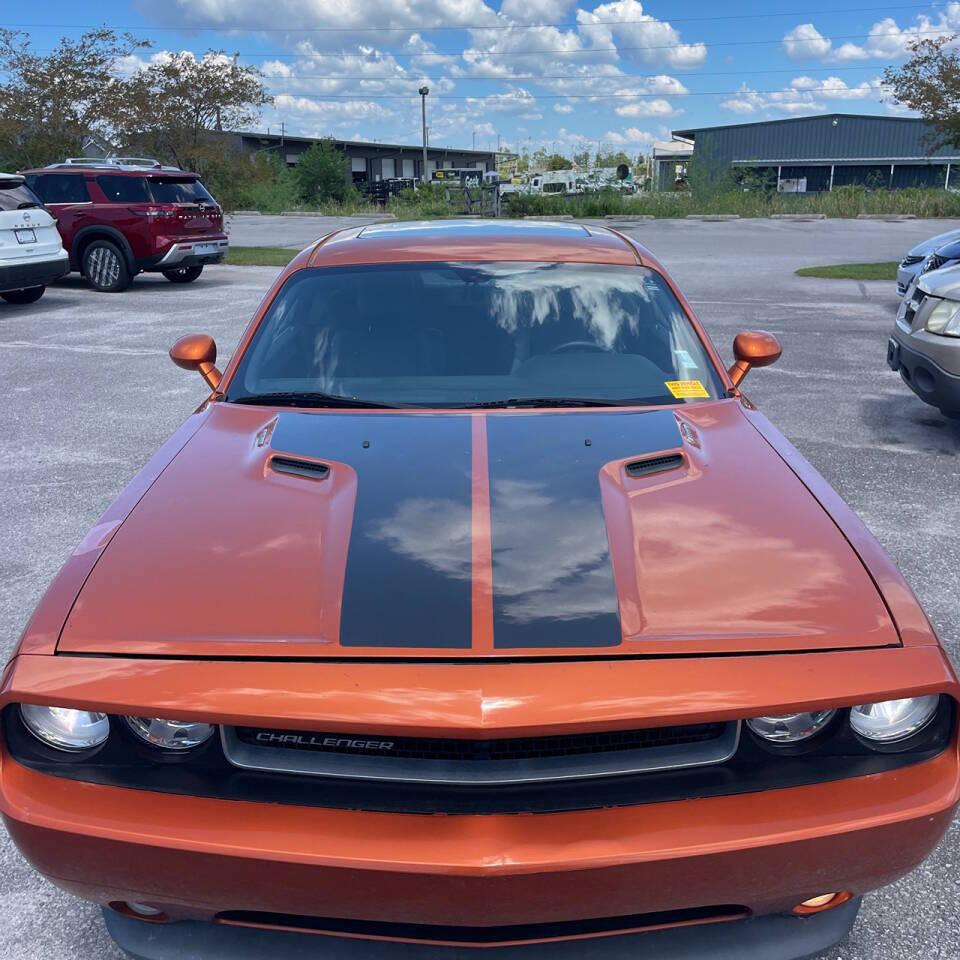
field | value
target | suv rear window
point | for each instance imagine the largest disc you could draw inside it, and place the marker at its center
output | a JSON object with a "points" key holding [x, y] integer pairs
{"points": [[124, 189], [170, 190], [16, 195], [59, 187]]}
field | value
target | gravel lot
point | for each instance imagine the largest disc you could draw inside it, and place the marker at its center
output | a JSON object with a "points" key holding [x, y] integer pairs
{"points": [[91, 394]]}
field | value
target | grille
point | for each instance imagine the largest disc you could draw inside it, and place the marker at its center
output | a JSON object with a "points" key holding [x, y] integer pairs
{"points": [[503, 760], [934, 262], [483, 936], [300, 468], [910, 259], [473, 751]]}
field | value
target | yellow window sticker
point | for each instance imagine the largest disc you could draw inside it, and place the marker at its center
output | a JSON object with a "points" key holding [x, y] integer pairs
{"points": [[681, 389]]}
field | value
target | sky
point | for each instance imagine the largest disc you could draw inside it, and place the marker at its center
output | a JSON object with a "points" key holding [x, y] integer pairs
{"points": [[525, 74]]}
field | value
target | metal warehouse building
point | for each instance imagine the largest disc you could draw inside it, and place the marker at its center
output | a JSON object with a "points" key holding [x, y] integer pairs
{"points": [[812, 154], [369, 162]]}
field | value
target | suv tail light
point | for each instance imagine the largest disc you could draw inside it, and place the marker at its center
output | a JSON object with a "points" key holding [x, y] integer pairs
{"points": [[155, 210]]}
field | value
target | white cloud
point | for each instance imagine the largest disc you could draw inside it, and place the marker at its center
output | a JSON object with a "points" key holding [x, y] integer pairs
{"points": [[647, 108], [803, 95], [654, 41], [886, 40], [563, 108]]}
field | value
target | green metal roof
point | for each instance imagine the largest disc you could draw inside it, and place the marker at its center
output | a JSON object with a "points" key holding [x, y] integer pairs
{"points": [[825, 138]]}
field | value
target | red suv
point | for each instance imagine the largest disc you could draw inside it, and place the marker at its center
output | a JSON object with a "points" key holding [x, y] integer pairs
{"points": [[123, 216]]}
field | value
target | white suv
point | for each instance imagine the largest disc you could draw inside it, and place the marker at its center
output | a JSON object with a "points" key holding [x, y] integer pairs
{"points": [[31, 252]]}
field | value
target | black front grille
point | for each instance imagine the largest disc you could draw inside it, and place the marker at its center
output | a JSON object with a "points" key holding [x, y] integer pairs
{"points": [[472, 751], [508, 933]]}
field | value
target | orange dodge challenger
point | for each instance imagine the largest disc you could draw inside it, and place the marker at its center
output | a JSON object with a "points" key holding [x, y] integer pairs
{"points": [[477, 608]]}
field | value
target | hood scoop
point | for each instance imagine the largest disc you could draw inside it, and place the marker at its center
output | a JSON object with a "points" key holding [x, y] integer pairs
{"points": [[666, 461], [300, 468]]}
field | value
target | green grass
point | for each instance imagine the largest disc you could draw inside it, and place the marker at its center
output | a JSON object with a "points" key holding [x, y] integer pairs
{"points": [[852, 271], [260, 256]]}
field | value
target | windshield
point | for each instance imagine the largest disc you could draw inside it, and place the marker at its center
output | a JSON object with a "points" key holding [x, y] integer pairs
{"points": [[461, 334], [178, 191]]}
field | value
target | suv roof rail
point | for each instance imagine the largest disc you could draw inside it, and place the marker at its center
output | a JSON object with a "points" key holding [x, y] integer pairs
{"points": [[122, 163]]}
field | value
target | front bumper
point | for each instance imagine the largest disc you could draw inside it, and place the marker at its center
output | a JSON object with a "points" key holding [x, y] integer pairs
{"points": [[926, 378], [197, 858], [774, 937], [24, 275]]}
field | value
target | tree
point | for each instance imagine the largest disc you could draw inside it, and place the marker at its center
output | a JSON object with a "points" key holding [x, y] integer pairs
{"points": [[611, 159], [177, 104], [50, 104], [539, 159], [582, 159], [557, 161], [322, 173], [930, 84]]}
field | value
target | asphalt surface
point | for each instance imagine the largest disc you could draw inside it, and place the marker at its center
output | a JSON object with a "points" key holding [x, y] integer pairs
{"points": [[90, 394]]}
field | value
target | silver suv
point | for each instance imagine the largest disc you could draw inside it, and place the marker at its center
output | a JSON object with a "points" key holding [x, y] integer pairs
{"points": [[925, 345]]}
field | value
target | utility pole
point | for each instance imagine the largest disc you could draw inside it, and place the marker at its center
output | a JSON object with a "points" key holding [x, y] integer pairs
{"points": [[423, 115], [474, 139]]}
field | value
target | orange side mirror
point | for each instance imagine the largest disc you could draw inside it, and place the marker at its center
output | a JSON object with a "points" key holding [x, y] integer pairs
{"points": [[753, 348], [198, 351]]}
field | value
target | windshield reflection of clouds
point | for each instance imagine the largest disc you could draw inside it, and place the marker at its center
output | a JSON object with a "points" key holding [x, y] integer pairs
{"points": [[604, 303]]}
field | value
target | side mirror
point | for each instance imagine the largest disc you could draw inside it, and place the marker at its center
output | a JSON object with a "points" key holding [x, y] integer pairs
{"points": [[198, 352], [753, 348]]}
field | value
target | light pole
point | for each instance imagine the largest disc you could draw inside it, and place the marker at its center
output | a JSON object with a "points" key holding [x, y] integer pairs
{"points": [[423, 114]]}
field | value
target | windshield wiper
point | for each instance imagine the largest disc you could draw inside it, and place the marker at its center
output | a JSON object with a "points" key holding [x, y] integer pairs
{"points": [[293, 398], [549, 402], [28, 205]]}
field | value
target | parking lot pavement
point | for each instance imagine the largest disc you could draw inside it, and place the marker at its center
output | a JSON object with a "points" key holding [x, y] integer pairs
{"points": [[90, 394]]}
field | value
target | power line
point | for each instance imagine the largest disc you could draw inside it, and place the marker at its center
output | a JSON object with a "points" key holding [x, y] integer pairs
{"points": [[533, 98], [281, 54], [486, 26], [618, 78]]}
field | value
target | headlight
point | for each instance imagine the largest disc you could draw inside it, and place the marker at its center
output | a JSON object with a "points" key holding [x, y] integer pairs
{"points": [[944, 319], [170, 734], [893, 720], [790, 727], [65, 729]]}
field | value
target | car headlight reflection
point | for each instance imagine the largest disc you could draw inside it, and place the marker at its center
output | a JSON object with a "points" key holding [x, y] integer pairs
{"points": [[893, 720], [170, 734], [790, 727], [64, 728], [944, 319]]}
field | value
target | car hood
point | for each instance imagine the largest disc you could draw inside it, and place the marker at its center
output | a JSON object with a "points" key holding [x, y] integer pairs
{"points": [[335, 534], [929, 246], [944, 282]]}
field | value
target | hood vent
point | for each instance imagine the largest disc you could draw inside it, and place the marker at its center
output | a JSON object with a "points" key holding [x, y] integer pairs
{"points": [[300, 468], [668, 461]]}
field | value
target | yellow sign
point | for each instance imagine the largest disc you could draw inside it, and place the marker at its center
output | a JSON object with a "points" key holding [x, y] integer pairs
{"points": [[682, 389]]}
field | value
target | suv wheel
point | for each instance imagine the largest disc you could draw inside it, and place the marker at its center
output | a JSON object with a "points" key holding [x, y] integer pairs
{"points": [[183, 274], [105, 268], [30, 295]]}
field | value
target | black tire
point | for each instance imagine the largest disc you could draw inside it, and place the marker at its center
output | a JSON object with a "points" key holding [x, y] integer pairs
{"points": [[183, 274], [105, 267], [30, 295]]}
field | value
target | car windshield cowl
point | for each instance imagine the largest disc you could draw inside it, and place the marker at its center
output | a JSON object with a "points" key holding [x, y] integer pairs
{"points": [[294, 398], [553, 402]]}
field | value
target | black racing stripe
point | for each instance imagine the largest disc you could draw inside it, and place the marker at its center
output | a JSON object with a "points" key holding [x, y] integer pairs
{"points": [[553, 583], [408, 574]]}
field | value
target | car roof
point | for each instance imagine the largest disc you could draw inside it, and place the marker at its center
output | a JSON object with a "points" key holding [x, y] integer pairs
{"points": [[464, 239], [12, 176]]}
